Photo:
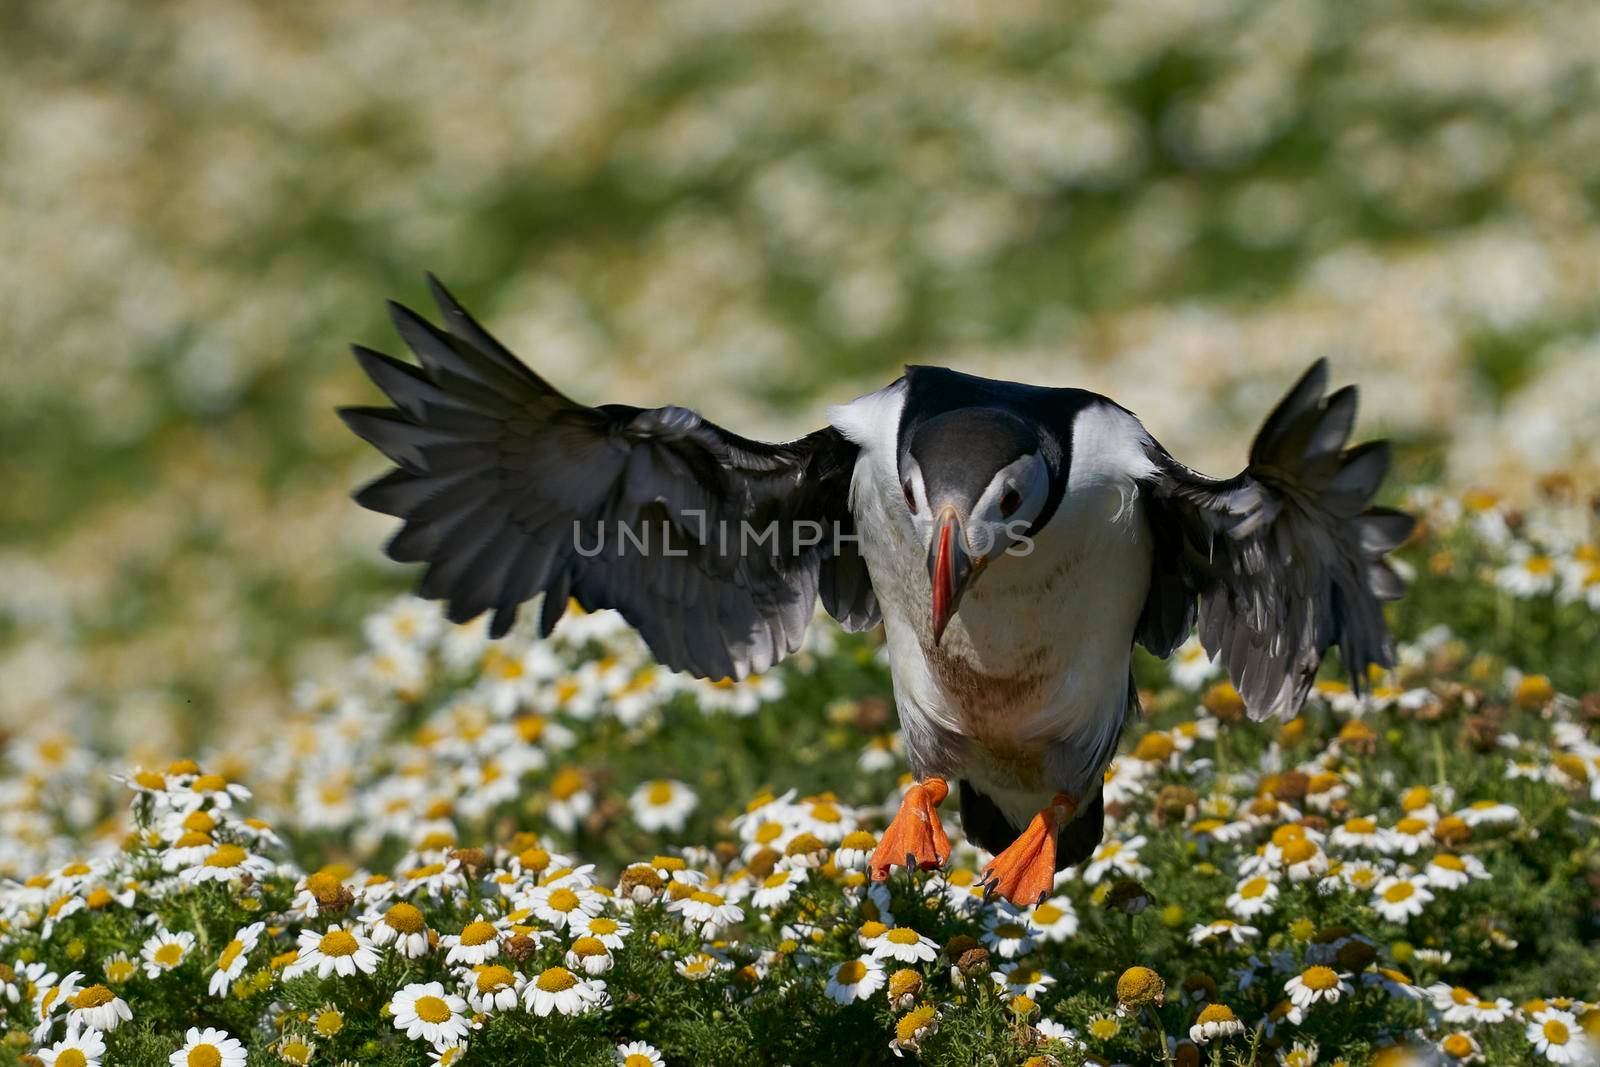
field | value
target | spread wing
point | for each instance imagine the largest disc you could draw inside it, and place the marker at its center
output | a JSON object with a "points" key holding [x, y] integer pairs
{"points": [[1283, 561], [714, 547]]}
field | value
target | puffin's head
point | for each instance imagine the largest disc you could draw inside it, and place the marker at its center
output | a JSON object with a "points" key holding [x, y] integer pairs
{"points": [[974, 481]]}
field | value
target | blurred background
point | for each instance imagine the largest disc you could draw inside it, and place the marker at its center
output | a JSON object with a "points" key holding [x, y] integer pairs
{"points": [[754, 208]]}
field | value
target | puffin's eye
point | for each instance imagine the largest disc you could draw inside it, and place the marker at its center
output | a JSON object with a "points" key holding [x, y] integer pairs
{"points": [[1010, 503], [911, 498]]}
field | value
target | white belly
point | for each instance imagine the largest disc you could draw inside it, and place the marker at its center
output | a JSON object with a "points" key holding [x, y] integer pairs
{"points": [[1037, 652]]}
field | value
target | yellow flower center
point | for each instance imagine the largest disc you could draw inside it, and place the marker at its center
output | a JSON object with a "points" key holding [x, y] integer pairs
{"points": [[825, 812], [1046, 914], [555, 980], [1361, 826], [95, 996], [71, 1058], [477, 933], [338, 943], [850, 972], [1154, 747], [1254, 888], [588, 946], [169, 954], [404, 918], [775, 879], [1104, 1028], [563, 899], [636, 1059], [209, 783], [913, 1022], [1412, 826], [1458, 1046], [1556, 1032], [98, 898], [1449, 862], [192, 839], [860, 840], [1010, 931], [904, 935], [703, 897], [329, 1022], [494, 978], [1319, 978], [1399, 891], [432, 1010], [602, 926], [295, 1051], [120, 970], [566, 783], [1022, 976], [660, 793], [204, 1056], [225, 855], [1299, 851], [1217, 1013]]}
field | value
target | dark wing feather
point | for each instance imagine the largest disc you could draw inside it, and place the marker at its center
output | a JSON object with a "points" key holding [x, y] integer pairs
{"points": [[1282, 562], [504, 486]]}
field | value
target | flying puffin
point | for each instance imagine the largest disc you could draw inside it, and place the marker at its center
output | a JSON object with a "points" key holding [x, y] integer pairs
{"points": [[1015, 542]]}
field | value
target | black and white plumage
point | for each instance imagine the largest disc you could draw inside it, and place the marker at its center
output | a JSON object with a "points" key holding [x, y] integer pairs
{"points": [[1016, 542]]}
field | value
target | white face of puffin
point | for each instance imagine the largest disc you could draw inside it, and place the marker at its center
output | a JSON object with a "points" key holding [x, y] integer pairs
{"points": [[960, 540]]}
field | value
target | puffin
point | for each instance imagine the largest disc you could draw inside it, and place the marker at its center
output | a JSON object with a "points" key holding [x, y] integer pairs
{"points": [[1014, 541]]}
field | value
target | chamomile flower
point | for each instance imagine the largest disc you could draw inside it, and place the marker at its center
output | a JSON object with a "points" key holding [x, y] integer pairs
{"points": [[707, 912], [339, 950], [608, 931], [1253, 896], [165, 951], [118, 969], [589, 955], [97, 1008], [1400, 899], [776, 889], [1461, 1047], [906, 945], [491, 988], [1053, 920], [913, 1028], [1116, 857], [1556, 1036], [427, 1012], [662, 804], [1315, 984], [1222, 930], [564, 905], [638, 1054], [1449, 871], [557, 989], [403, 926], [1215, 1021], [231, 960], [208, 1048], [1008, 934], [226, 862], [84, 1048], [855, 980], [478, 942], [1016, 978]]}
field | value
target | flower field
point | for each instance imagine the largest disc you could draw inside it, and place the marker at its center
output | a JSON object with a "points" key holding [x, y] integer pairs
{"points": [[554, 852]]}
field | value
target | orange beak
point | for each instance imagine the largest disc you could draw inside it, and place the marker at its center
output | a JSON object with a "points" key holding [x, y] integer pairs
{"points": [[950, 570]]}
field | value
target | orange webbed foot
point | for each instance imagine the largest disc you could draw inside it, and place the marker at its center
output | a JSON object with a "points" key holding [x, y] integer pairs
{"points": [[916, 837], [1025, 872]]}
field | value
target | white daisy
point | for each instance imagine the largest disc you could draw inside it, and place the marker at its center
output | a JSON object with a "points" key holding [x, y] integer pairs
{"points": [[208, 1048], [1008, 934], [1253, 896], [1450, 871], [662, 804], [1015, 979], [1557, 1037], [855, 980], [1053, 919], [165, 951], [226, 862], [425, 1011], [402, 926], [77, 1049], [906, 945], [638, 1054], [610, 932], [478, 942], [1222, 929], [1116, 857], [1215, 1021], [1314, 984], [1400, 899], [707, 911], [589, 955], [559, 990], [777, 888], [98, 1008], [338, 951], [491, 988], [563, 905], [231, 961]]}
